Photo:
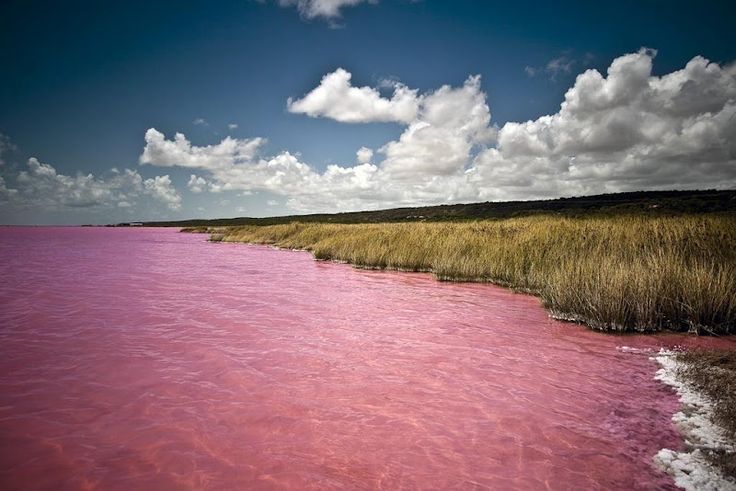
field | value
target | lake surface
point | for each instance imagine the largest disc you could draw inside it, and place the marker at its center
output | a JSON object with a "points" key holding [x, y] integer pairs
{"points": [[151, 359]]}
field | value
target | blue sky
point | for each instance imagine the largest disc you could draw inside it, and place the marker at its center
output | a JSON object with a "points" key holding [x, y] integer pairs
{"points": [[83, 82]]}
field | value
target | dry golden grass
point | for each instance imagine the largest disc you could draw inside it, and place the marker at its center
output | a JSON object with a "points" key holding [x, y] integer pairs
{"points": [[623, 273]]}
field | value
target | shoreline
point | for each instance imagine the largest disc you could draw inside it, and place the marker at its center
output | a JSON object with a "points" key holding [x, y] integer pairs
{"points": [[572, 318], [708, 460], [615, 274]]}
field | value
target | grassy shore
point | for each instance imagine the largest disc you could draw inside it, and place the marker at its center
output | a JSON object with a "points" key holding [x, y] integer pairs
{"points": [[619, 273]]}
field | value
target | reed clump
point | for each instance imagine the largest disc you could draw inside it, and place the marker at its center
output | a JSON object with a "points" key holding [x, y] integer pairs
{"points": [[621, 273]]}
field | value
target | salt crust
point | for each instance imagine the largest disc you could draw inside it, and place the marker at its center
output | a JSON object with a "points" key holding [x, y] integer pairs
{"points": [[690, 468]]}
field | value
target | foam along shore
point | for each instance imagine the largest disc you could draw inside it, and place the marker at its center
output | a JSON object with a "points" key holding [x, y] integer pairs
{"points": [[613, 273], [709, 459]]}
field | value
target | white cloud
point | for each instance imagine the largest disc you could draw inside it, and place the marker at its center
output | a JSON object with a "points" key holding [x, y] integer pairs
{"points": [[180, 151], [439, 140], [627, 130], [336, 98], [232, 126], [530, 71], [40, 185], [196, 184], [200, 122], [435, 147], [160, 187], [327, 9], [5, 192], [364, 155]]}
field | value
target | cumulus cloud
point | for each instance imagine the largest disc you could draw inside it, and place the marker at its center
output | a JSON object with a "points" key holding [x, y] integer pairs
{"points": [[196, 184], [439, 140], [180, 151], [625, 130], [160, 187], [40, 185], [6, 193], [335, 97], [232, 126], [364, 155], [326, 9], [436, 146]]}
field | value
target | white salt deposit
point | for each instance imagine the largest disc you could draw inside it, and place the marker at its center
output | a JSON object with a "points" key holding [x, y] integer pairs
{"points": [[690, 468], [636, 351]]}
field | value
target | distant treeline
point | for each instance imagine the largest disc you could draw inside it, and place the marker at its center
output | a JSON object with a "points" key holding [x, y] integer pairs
{"points": [[649, 202]]}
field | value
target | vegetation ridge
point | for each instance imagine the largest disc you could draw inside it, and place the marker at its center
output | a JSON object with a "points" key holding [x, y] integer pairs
{"points": [[655, 203]]}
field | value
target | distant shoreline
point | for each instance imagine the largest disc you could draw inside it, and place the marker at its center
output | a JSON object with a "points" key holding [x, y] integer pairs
{"points": [[654, 203]]}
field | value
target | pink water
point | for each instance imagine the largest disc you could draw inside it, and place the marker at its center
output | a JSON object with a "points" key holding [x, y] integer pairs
{"points": [[150, 359]]}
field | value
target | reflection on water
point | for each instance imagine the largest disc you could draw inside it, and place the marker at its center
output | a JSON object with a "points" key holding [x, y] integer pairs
{"points": [[151, 359]]}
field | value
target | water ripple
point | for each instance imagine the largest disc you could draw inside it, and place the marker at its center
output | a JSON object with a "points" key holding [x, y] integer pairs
{"points": [[150, 359]]}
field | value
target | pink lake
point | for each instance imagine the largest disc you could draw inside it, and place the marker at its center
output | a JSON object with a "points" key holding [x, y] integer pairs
{"points": [[151, 359]]}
